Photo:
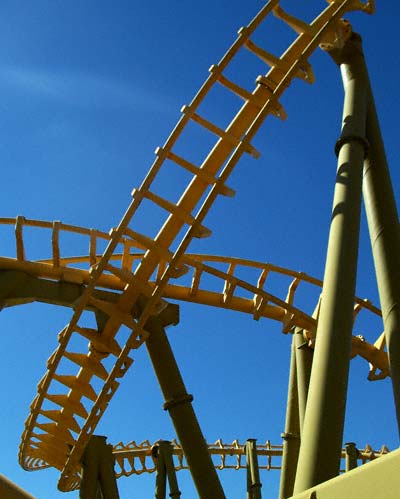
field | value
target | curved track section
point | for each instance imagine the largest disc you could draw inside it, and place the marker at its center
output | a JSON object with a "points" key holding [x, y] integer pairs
{"points": [[61, 395], [135, 459], [262, 290]]}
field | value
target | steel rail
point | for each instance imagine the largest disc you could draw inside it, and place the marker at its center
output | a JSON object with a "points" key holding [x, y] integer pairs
{"points": [[136, 459], [231, 293], [52, 443]]}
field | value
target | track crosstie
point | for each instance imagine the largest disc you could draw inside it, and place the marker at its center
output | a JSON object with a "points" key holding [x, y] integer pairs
{"points": [[53, 436]]}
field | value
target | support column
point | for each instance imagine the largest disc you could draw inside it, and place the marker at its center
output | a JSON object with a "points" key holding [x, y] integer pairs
{"points": [[98, 475], [291, 436], [253, 473], [351, 455], [165, 469], [383, 224], [178, 404], [304, 358], [322, 434]]}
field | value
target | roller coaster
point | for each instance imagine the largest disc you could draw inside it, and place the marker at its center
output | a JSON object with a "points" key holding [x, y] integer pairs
{"points": [[128, 282]]}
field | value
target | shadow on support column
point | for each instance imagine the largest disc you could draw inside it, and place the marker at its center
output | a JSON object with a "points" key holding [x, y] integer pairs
{"points": [[98, 475]]}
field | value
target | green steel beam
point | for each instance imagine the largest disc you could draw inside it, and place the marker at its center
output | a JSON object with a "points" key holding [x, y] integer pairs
{"points": [[165, 469], [321, 438], [291, 436], [18, 288], [9, 490], [377, 479], [98, 475], [351, 455], [179, 405], [304, 358], [383, 224], [252, 470]]}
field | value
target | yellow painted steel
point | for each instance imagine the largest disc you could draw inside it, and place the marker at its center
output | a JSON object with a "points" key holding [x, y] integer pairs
{"points": [[263, 304], [52, 443], [137, 458]]}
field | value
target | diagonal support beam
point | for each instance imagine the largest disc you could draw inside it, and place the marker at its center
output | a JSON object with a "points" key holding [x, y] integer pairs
{"points": [[179, 405]]}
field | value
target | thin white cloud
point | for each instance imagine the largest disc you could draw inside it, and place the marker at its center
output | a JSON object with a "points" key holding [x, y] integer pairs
{"points": [[81, 89]]}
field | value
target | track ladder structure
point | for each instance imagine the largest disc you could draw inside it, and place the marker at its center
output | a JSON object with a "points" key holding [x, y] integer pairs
{"points": [[62, 420], [231, 292], [135, 459]]}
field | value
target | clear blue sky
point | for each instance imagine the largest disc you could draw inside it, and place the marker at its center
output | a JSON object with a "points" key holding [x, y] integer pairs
{"points": [[89, 90]]}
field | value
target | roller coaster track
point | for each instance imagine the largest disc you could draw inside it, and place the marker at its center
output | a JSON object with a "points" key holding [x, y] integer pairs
{"points": [[135, 459], [52, 443], [227, 290]]}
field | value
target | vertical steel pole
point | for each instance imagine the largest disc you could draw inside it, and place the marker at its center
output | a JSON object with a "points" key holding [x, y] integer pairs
{"points": [[161, 474], [179, 405], [291, 436], [304, 358], [351, 455], [383, 224], [253, 473], [174, 491], [107, 480], [166, 469], [98, 475], [321, 439]]}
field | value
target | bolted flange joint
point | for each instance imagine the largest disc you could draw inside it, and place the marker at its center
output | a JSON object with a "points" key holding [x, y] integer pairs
{"points": [[184, 399], [347, 139]]}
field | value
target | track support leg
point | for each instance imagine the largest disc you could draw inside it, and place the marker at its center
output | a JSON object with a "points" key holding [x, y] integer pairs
{"points": [[165, 470], [383, 225], [304, 358], [351, 455], [291, 436], [321, 438], [98, 475], [253, 473], [179, 405]]}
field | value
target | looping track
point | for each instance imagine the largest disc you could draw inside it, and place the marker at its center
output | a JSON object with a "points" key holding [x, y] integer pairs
{"points": [[64, 397]]}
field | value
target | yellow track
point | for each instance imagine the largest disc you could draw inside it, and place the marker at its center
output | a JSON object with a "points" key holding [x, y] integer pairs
{"points": [[48, 437], [135, 459], [231, 292]]}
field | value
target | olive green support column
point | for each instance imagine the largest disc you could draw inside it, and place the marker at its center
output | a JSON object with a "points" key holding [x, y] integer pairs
{"points": [[304, 358], [321, 439], [178, 404], [161, 475], [98, 475], [9, 490], [383, 224], [351, 455], [253, 472], [291, 436], [165, 469]]}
